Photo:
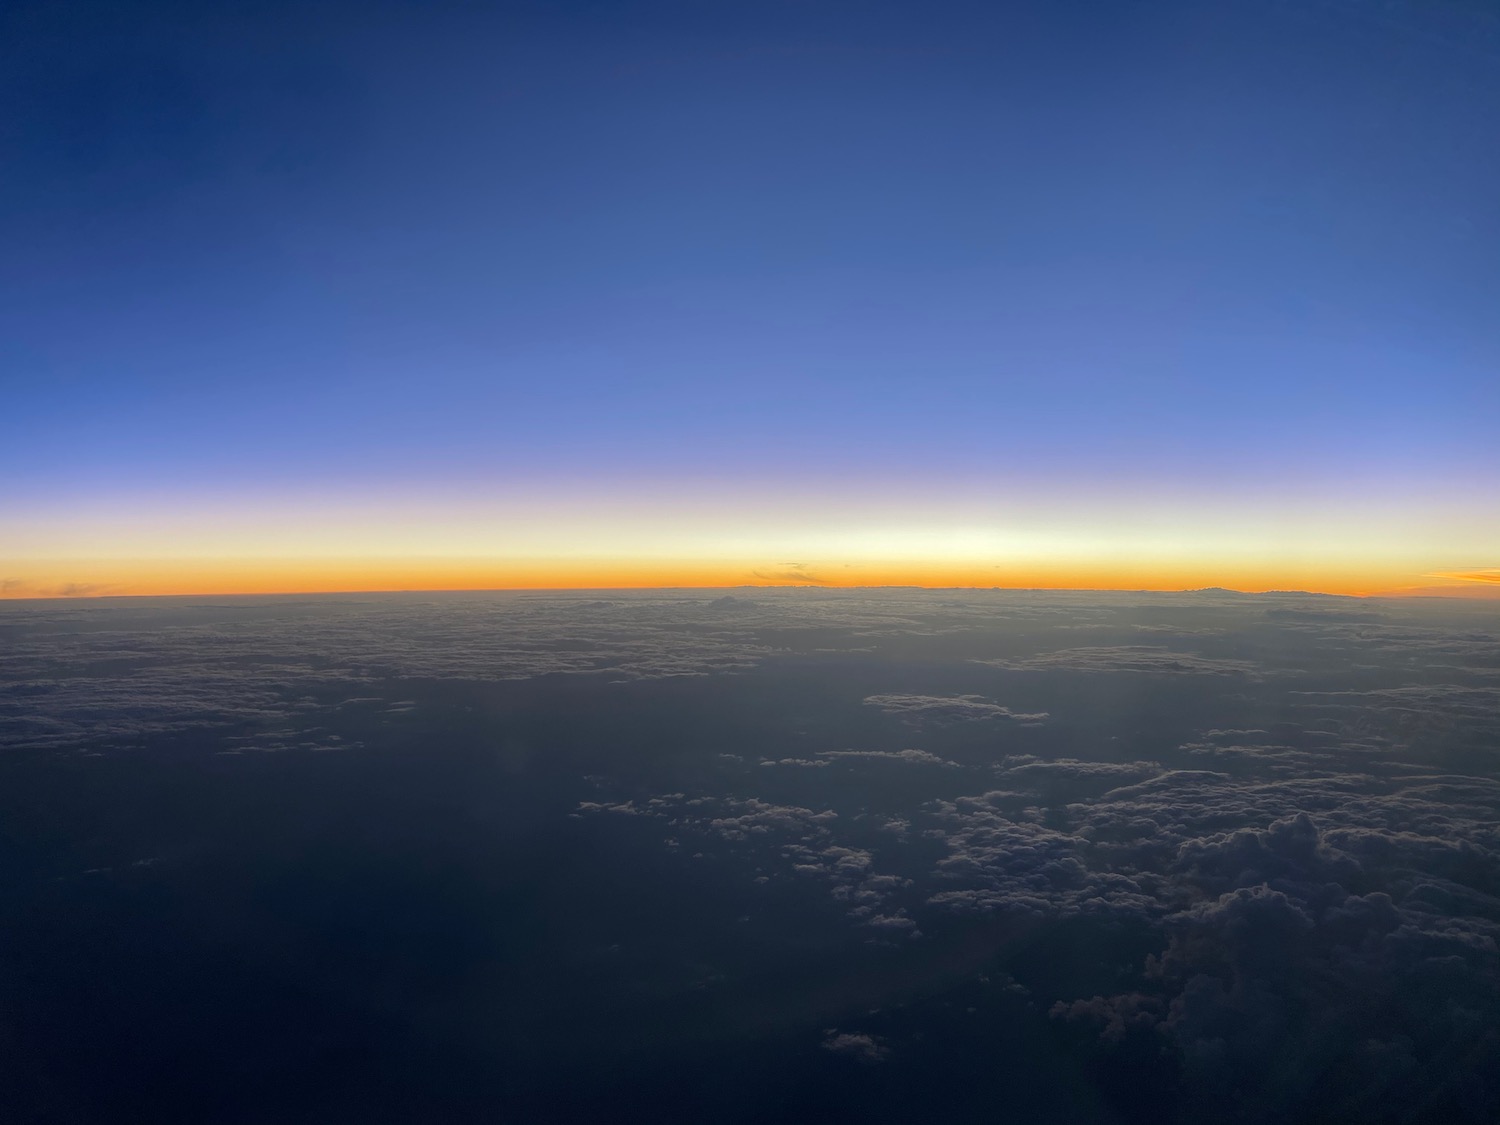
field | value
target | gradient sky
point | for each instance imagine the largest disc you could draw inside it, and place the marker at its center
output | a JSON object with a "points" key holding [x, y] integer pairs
{"points": [[327, 295]]}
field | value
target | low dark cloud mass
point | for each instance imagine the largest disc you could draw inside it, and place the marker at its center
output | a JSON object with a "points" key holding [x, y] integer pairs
{"points": [[781, 855]]}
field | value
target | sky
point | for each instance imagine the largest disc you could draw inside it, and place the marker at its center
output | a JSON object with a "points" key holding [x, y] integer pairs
{"points": [[328, 296]]}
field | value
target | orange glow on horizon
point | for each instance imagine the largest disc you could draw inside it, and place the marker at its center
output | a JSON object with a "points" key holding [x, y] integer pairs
{"points": [[223, 577], [548, 536]]}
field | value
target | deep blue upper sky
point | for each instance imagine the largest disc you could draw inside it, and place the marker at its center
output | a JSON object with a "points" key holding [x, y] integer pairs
{"points": [[259, 243]]}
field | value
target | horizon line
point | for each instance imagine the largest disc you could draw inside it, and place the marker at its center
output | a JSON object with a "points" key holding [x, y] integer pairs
{"points": [[1456, 594]]}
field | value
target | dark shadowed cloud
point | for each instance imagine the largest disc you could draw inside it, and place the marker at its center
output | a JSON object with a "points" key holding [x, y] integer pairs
{"points": [[1263, 857]]}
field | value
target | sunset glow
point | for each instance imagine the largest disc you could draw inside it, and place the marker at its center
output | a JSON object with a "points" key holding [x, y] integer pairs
{"points": [[580, 545]]}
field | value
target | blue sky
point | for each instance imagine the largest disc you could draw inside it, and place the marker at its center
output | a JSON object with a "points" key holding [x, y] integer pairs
{"points": [[346, 246]]}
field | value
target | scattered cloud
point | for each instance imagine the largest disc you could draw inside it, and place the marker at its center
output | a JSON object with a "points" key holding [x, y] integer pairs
{"points": [[948, 708], [857, 1046]]}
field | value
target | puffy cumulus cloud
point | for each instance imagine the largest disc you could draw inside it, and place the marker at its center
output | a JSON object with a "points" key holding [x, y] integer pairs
{"points": [[1003, 857], [1301, 963], [1064, 839], [948, 708], [1290, 851], [792, 840], [1114, 1018], [754, 817], [856, 1045], [1330, 938]]}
